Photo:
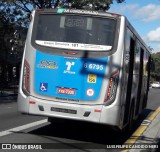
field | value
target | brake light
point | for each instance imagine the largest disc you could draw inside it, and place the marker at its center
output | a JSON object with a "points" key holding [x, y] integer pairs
{"points": [[26, 77], [112, 88], [97, 110], [32, 102]]}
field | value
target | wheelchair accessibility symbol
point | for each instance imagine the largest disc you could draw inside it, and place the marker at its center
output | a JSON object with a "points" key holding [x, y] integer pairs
{"points": [[43, 87]]}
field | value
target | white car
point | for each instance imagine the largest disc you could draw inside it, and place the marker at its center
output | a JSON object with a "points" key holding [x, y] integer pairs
{"points": [[155, 85]]}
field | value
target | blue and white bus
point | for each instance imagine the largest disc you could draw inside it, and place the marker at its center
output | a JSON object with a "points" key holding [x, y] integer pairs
{"points": [[84, 65]]}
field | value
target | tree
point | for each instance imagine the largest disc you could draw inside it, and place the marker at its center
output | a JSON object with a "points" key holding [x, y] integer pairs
{"points": [[155, 68], [6, 32], [16, 14], [9, 56], [13, 13], [18, 11]]}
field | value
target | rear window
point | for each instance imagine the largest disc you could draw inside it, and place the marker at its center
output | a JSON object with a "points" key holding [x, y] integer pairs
{"points": [[74, 32]]}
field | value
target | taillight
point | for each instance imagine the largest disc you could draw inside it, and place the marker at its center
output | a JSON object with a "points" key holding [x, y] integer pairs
{"points": [[112, 88], [26, 77]]}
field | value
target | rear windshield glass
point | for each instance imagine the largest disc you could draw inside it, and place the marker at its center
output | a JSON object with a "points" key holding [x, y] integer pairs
{"points": [[73, 31]]}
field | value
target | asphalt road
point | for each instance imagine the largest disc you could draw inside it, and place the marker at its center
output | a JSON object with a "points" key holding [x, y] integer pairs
{"points": [[72, 135], [153, 99]]}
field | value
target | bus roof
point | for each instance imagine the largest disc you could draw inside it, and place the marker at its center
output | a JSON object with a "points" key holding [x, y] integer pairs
{"points": [[77, 11]]}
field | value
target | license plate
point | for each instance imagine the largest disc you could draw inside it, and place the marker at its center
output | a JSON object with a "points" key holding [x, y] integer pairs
{"points": [[64, 110], [66, 91]]}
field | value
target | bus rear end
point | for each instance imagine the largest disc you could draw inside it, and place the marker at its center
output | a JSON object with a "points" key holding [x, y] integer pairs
{"points": [[71, 66]]}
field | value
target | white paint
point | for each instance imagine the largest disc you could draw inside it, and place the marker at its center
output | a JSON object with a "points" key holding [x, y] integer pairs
{"points": [[10, 131], [69, 64], [73, 46], [90, 92]]}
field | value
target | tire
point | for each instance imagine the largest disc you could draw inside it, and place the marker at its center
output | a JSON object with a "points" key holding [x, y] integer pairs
{"points": [[131, 121], [144, 102], [130, 126]]}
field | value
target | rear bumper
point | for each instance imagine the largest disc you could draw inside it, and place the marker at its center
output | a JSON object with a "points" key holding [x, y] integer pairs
{"points": [[97, 113]]}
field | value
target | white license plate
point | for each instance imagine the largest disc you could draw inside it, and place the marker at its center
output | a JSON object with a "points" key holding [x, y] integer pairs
{"points": [[66, 91]]}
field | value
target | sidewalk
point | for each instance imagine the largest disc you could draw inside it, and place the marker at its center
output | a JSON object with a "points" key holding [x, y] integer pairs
{"points": [[148, 133]]}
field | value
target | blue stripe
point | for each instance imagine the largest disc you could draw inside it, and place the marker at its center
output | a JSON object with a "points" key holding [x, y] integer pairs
{"points": [[51, 73]]}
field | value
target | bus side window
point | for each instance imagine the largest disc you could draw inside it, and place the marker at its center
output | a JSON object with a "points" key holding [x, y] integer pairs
{"points": [[137, 58]]}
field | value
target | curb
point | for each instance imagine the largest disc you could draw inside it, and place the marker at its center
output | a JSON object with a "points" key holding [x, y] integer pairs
{"points": [[144, 125]]}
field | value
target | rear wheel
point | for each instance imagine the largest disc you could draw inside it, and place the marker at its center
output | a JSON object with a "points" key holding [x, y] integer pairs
{"points": [[129, 128], [144, 102], [131, 121]]}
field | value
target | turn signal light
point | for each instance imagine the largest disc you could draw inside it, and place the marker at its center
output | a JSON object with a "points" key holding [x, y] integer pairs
{"points": [[112, 88], [26, 77]]}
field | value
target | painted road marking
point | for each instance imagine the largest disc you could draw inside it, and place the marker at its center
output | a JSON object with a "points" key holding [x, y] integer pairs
{"points": [[154, 114], [27, 126], [141, 129]]}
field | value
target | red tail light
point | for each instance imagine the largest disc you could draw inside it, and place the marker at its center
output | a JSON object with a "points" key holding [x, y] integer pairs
{"points": [[32, 102], [26, 77], [112, 88]]}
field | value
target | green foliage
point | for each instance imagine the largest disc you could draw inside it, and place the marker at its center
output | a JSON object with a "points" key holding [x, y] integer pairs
{"points": [[6, 32], [18, 11], [155, 68], [15, 12]]}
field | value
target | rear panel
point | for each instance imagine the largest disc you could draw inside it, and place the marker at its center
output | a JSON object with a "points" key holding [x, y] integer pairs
{"points": [[68, 77], [70, 81]]}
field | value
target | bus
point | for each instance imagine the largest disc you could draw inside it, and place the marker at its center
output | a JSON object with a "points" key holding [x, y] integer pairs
{"points": [[84, 65]]}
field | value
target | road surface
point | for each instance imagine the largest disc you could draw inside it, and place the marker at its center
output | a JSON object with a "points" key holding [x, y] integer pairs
{"points": [[72, 135]]}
